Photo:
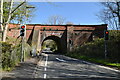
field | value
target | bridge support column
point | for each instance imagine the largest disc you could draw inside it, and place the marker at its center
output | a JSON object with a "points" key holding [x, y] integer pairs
{"points": [[35, 41], [70, 38]]}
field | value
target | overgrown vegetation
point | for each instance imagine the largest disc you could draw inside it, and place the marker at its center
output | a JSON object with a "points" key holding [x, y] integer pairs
{"points": [[9, 59], [11, 53], [50, 44], [94, 51]]}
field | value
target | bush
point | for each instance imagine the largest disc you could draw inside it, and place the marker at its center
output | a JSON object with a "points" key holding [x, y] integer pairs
{"points": [[92, 49], [6, 52], [95, 49], [6, 47], [114, 35], [10, 55], [114, 45]]}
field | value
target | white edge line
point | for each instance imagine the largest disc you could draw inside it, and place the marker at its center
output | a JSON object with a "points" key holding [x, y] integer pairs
{"points": [[102, 66], [96, 65]]}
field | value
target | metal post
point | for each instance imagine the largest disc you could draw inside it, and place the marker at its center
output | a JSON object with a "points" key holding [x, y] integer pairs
{"points": [[105, 45], [23, 40], [105, 49], [22, 51]]}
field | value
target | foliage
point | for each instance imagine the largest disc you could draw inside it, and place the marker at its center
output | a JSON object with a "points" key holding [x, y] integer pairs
{"points": [[44, 28], [14, 13], [94, 51], [7, 59], [6, 47], [50, 44], [114, 35], [11, 53], [19, 15]]}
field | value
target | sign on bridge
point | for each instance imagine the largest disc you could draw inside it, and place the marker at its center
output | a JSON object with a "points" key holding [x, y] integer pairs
{"points": [[53, 33]]}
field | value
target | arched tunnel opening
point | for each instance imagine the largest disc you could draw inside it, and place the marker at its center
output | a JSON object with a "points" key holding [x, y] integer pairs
{"points": [[51, 44]]}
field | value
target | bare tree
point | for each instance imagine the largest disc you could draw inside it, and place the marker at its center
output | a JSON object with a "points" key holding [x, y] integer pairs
{"points": [[69, 23], [111, 14], [56, 20]]}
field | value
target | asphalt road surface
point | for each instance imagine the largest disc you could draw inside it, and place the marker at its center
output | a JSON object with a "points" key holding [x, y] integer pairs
{"points": [[53, 66], [59, 66]]}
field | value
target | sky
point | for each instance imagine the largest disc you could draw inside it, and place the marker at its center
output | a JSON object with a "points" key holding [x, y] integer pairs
{"points": [[83, 13]]}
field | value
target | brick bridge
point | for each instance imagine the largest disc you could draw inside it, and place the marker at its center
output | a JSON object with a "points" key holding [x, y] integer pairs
{"points": [[67, 37]]}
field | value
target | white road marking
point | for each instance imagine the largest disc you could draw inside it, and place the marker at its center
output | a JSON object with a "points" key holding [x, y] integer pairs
{"points": [[105, 67], [45, 76], [102, 66], [41, 63], [46, 60], [45, 69], [60, 60], [37, 66]]}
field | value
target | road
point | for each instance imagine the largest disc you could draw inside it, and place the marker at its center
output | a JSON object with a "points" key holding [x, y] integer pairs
{"points": [[61, 67]]}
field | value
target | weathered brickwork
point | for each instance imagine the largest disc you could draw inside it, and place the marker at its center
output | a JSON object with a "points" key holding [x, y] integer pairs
{"points": [[70, 36]]}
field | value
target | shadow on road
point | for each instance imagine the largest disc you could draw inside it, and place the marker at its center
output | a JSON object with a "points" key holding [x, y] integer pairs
{"points": [[24, 70], [59, 79]]}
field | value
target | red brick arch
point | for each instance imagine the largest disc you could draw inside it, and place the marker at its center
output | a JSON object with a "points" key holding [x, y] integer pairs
{"points": [[57, 41]]}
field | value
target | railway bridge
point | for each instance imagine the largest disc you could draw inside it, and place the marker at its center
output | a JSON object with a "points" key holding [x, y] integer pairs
{"points": [[67, 37]]}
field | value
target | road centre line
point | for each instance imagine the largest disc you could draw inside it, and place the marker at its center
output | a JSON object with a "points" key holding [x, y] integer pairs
{"points": [[37, 66], [46, 60], [45, 69], [45, 76]]}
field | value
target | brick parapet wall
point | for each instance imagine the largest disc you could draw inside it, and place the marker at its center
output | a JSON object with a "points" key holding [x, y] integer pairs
{"points": [[13, 30]]}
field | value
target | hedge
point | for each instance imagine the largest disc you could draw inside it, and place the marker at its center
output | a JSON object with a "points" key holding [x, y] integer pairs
{"points": [[11, 55]]}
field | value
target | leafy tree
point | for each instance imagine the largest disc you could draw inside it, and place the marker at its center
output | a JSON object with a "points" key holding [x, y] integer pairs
{"points": [[50, 44], [19, 16]]}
